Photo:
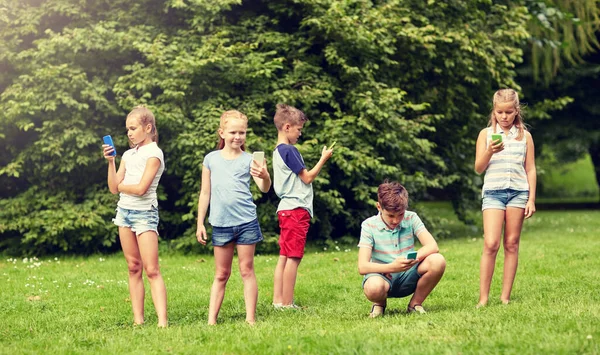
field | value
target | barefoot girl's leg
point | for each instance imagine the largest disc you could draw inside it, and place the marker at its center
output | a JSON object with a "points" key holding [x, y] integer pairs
{"points": [[148, 245], [493, 219], [223, 259], [134, 264], [246, 260], [512, 237]]}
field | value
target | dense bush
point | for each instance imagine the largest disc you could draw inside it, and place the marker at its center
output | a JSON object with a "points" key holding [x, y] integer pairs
{"points": [[403, 86]]}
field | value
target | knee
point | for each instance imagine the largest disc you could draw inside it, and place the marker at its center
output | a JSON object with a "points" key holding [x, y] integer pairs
{"points": [[436, 263], [375, 290], [247, 271], [491, 248], [511, 246], [134, 267], [222, 275], [152, 272]]}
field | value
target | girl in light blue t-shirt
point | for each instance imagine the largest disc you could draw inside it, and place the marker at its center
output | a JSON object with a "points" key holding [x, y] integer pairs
{"points": [[226, 176]]}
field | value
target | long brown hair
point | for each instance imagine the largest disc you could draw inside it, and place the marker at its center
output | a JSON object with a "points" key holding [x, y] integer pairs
{"points": [[503, 96], [225, 117]]}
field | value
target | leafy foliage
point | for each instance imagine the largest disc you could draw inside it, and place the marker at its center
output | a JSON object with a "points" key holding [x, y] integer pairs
{"points": [[403, 86]]}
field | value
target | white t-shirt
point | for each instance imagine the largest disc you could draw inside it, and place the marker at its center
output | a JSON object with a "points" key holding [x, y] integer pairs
{"points": [[135, 163]]}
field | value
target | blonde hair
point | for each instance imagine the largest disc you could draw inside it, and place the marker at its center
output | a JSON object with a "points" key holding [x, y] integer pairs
{"points": [[288, 114], [226, 117], [503, 96], [145, 117]]}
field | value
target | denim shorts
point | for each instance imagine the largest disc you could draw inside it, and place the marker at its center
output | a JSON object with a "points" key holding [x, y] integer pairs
{"points": [[402, 284], [500, 199], [139, 221], [244, 234]]}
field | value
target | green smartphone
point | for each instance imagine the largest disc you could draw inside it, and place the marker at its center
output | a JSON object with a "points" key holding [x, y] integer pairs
{"points": [[331, 146], [497, 137], [411, 255]]}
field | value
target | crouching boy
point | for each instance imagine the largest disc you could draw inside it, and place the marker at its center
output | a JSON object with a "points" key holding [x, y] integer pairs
{"points": [[385, 241]]}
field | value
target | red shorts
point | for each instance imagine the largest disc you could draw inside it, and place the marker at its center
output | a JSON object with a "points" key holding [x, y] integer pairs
{"points": [[294, 228]]}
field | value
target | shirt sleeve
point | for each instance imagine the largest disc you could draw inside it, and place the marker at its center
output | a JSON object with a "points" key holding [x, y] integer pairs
{"points": [[417, 225], [206, 161], [292, 158], [157, 153], [366, 237]]}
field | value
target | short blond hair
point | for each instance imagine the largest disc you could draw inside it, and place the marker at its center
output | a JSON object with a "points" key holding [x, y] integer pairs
{"points": [[288, 114]]}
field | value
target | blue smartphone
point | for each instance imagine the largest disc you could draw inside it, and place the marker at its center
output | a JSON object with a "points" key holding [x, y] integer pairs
{"points": [[411, 255], [108, 140]]}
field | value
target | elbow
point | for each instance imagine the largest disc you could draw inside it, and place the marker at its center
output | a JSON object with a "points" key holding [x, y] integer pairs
{"points": [[265, 190], [479, 170], [114, 191], [361, 270], [307, 180]]}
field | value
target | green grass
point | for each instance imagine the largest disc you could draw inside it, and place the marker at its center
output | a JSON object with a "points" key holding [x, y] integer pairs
{"points": [[80, 305], [573, 182]]}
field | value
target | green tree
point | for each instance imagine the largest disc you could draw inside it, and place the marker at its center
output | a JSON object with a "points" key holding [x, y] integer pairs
{"points": [[561, 78], [403, 86]]}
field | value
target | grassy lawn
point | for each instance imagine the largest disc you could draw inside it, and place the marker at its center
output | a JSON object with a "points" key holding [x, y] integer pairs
{"points": [[573, 182], [80, 305]]}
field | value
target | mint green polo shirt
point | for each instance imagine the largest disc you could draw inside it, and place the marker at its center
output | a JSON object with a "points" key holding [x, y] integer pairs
{"points": [[388, 244]]}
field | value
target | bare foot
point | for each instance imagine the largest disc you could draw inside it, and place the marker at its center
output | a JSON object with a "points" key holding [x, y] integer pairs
{"points": [[480, 305], [505, 301]]}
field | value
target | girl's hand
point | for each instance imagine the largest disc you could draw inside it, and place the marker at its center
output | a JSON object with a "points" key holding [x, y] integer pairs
{"points": [[259, 171], [494, 148], [529, 209], [107, 150], [326, 153], [201, 235]]}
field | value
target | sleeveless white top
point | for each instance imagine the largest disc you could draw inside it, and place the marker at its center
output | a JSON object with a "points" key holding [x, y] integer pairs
{"points": [[506, 169]]}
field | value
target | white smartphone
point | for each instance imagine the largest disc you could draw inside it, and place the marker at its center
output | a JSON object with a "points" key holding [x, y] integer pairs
{"points": [[259, 157]]}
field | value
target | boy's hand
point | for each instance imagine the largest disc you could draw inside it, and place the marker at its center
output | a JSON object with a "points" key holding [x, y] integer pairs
{"points": [[258, 170], [201, 234], [402, 264], [326, 153]]}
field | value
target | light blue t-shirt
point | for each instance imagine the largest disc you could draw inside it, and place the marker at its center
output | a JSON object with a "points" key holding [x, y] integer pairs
{"points": [[231, 201], [293, 192]]}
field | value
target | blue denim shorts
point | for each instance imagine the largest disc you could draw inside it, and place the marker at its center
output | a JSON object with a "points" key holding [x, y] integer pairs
{"points": [[500, 199], [402, 284], [245, 234], [139, 221]]}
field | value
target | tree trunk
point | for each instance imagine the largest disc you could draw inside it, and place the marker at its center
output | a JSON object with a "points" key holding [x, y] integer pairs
{"points": [[594, 151]]}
